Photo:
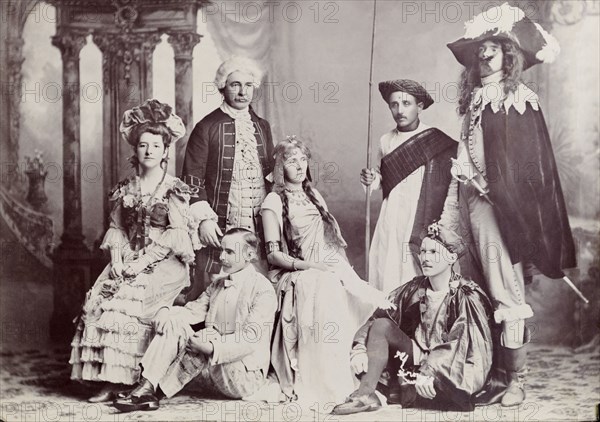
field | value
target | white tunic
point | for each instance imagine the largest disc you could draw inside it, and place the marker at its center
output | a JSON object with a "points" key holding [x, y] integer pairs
{"points": [[390, 261]]}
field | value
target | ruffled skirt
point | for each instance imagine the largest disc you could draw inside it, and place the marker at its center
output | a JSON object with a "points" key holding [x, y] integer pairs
{"points": [[113, 333]]}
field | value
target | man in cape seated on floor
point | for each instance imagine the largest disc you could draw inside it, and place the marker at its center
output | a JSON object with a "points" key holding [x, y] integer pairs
{"points": [[435, 347]]}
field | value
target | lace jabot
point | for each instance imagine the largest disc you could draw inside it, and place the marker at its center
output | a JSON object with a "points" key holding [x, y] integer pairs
{"points": [[244, 132]]}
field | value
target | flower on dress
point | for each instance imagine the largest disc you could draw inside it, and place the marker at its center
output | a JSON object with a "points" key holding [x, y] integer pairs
{"points": [[129, 200], [183, 190], [123, 188]]}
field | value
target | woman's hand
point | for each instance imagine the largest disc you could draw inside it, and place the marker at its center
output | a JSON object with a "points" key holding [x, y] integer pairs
{"points": [[116, 270], [209, 233], [110, 287], [134, 268], [129, 272]]}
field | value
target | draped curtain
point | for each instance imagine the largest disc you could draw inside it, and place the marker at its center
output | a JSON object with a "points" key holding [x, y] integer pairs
{"points": [[254, 30]]}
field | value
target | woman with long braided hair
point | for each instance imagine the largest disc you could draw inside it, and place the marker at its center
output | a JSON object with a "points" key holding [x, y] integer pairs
{"points": [[322, 301]]}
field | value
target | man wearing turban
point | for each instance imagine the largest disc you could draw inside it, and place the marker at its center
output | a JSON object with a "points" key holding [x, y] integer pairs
{"points": [[228, 155], [434, 345], [414, 175]]}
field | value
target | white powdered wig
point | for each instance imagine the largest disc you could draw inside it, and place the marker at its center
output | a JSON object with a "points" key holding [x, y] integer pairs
{"points": [[550, 50], [502, 20], [241, 64]]}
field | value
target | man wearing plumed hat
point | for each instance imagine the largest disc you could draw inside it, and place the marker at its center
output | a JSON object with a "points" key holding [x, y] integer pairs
{"points": [[506, 197], [228, 155], [414, 175]]}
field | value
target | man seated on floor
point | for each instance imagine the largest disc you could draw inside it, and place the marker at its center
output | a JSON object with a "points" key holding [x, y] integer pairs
{"points": [[230, 355], [436, 345]]}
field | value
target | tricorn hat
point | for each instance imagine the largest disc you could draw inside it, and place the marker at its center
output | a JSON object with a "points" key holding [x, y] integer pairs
{"points": [[506, 22]]}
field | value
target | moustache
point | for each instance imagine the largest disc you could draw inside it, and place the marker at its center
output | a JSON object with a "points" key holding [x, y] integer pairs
{"points": [[486, 60]]}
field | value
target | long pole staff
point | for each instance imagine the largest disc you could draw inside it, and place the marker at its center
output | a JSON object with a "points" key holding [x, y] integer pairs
{"points": [[368, 190]]}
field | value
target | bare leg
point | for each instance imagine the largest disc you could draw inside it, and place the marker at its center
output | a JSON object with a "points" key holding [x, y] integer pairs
{"points": [[384, 337]]}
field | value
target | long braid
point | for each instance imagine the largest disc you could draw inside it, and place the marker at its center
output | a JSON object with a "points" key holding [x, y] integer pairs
{"points": [[331, 228], [288, 234], [332, 233]]}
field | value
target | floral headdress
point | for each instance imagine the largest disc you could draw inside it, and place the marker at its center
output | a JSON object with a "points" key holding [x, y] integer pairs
{"points": [[449, 239], [151, 111]]}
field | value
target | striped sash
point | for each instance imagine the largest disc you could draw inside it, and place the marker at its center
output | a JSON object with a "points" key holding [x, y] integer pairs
{"points": [[412, 154]]}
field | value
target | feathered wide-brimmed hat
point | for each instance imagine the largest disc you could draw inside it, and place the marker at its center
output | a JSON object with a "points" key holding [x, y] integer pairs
{"points": [[409, 86], [151, 111], [506, 22]]}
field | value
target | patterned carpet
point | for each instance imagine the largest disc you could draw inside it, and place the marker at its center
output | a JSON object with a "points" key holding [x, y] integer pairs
{"points": [[563, 385]]}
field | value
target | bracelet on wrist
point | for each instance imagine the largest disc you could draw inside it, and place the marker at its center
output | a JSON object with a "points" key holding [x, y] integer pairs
{"points": [[294, 264]]}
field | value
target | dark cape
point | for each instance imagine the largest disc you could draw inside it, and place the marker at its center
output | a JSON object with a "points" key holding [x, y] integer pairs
{"points": [[433, 149], [525, 189], [460, 366]]}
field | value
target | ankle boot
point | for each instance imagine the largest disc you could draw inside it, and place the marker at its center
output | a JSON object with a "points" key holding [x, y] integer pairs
{"points": [[143, 388], [515, 366]]}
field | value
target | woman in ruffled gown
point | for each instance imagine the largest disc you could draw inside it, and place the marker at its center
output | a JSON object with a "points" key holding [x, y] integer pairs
{"points": [[151, 241], [322, 301]]}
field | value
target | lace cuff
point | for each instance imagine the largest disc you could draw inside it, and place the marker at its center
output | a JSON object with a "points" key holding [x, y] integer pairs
{"points": [[513, 314], [202, 211], [114, 238]]}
